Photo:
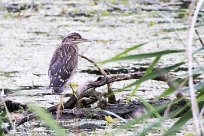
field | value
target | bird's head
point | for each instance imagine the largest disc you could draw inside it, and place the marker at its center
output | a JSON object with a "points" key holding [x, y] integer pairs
{"points": [[74, 38]]}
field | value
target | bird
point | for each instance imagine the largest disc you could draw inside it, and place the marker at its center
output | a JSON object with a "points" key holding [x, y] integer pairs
{"points": [[64, 62]]}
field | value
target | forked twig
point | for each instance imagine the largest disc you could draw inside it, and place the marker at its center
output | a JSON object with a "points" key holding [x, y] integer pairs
{"points": [[111, 95]]}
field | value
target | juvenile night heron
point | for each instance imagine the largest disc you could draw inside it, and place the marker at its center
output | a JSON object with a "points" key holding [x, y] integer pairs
{"points": [[63, 64]]}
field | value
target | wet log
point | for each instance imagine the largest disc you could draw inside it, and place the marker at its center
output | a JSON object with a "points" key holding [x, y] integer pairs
{"points": [[13, 106], [127, 110], [86, 90], [120, 110]]}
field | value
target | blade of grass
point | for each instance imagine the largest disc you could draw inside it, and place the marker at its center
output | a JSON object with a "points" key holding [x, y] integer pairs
{"points": [[146, 115], [177, 83], [181, 122], [149, 70], [157, 73], [152, 75], [198, 50], [135, 47], [149, 107], [136, 120], [171, 115], [196, 71], [201, 95], [167, 92], [197, 86], [129, 49], [142, 56], [46, 118], [150, 127]]}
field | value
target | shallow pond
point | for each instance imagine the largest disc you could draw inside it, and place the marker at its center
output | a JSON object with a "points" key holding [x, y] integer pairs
{"points": [[29, 37]]}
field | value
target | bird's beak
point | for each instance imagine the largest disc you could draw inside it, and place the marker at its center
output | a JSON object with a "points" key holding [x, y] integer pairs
{"points": [[84, 40]]}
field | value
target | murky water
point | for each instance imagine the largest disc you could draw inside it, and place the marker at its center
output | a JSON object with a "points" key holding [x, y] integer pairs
{"points": [[30, 36]]}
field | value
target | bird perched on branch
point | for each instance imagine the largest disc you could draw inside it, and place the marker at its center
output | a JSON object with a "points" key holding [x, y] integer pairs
{"points": [[64, 62]]}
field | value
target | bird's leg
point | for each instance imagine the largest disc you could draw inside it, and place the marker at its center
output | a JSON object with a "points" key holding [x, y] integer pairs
{"points": [[72, 86], [61, 105], [61, 101]]}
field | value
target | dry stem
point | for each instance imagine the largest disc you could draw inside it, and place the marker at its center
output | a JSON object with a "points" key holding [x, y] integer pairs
{"points": [[194, 103]]}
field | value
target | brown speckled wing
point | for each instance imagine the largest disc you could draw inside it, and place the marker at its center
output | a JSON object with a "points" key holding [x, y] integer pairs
{"points": [[62, 65]]}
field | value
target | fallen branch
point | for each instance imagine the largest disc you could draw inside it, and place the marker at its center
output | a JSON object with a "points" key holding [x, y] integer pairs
{"points": [[13, 106], [125, 110], [84, 90], [112, 78]]}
